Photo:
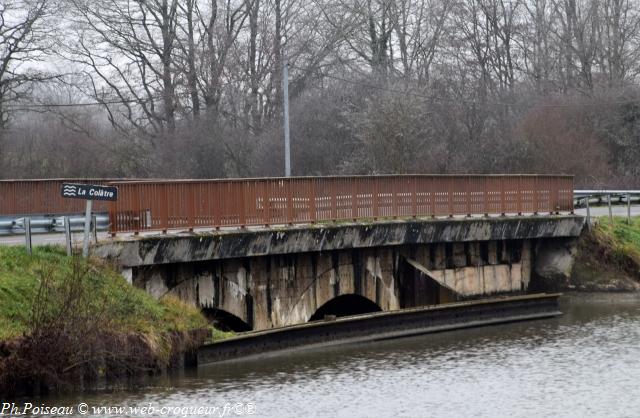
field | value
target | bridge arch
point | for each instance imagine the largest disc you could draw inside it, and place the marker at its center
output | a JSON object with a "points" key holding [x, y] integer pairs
{"points": [[225, 321], [367, 274], [345, 305]]}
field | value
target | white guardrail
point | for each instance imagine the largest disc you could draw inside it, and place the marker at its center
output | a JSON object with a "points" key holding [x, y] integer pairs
{"points": [[29, 225], [584, 198], [14, 225]]}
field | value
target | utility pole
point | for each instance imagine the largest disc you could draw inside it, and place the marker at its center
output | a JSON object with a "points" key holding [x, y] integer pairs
{"points": [[287, 140]]}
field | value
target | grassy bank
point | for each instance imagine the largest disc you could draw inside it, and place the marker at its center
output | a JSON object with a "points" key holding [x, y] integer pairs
{"points": [[608, 257], [65, 321]]}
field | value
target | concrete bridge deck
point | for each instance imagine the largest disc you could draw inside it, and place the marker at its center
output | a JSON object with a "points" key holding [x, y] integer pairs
{"points": [[135, 251]]}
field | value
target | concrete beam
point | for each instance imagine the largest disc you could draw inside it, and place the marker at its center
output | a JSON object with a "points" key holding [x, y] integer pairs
{"points": [[152, 250]]}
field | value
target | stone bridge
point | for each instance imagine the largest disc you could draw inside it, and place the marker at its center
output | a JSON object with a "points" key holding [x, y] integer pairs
{"points": [[272, 277]]}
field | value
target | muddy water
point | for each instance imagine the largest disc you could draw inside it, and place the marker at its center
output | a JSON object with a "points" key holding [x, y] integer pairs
{"points": [[585, 363]]}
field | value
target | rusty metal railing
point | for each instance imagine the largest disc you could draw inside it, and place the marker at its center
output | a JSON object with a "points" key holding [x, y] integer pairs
{"points": [[189, 204], [35, 196]]}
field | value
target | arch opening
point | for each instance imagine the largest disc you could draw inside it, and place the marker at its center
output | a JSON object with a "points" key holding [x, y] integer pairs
{"points": [[225, 321], [345, 305]]}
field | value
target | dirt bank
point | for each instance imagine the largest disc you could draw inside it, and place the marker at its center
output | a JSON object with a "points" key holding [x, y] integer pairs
{"points": [[67, 323], [608, 258]]}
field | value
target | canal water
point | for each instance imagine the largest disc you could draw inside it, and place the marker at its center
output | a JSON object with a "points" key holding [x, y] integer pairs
{"points": [[583, 364]]}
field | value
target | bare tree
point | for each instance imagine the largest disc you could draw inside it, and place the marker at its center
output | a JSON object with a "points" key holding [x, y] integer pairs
{"points": [[24, 40], [126, 49]]}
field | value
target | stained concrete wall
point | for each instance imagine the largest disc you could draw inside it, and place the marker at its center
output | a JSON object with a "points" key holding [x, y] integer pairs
{"points": [[274, 291], [279, 290], [276, 277]]}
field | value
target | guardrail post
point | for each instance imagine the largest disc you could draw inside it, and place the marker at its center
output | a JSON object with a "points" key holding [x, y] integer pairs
{"points": [[67, 235], [588, 214], [629, 208], [94, 228], [87, 227], [113, 218], [27, 234], [610, 210]]}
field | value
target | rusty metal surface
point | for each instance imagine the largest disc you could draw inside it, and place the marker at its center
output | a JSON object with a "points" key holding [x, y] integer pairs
{"points": [[42, 196], [188, 204]]}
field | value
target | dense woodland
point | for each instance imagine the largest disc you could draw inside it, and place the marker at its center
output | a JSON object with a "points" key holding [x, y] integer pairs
{"points": [[193, 88]]}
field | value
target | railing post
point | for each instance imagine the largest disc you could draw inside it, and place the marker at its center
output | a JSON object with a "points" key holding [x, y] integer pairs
{"points": [[571, 197], [450, 195], [217, 202], [164, 204], [375, 198], [467, 193], [432, 195], [266, 214], [414, 197], [191, 196], [133, 210], [394, 197], [485, 211], [289, 210], [554, 203], [503, 209], [519, 198], [536, 195], [312, 200], [629, 208], [354, 199], [241, 201], [334, 205]]}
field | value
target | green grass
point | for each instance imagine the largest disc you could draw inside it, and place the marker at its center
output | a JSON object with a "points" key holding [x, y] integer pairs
{"points": [[622, 239], [217, 335], [125, 308]]}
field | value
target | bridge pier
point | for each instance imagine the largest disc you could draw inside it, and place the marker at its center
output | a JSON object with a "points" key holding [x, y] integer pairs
{"points": [[276, 277]]}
